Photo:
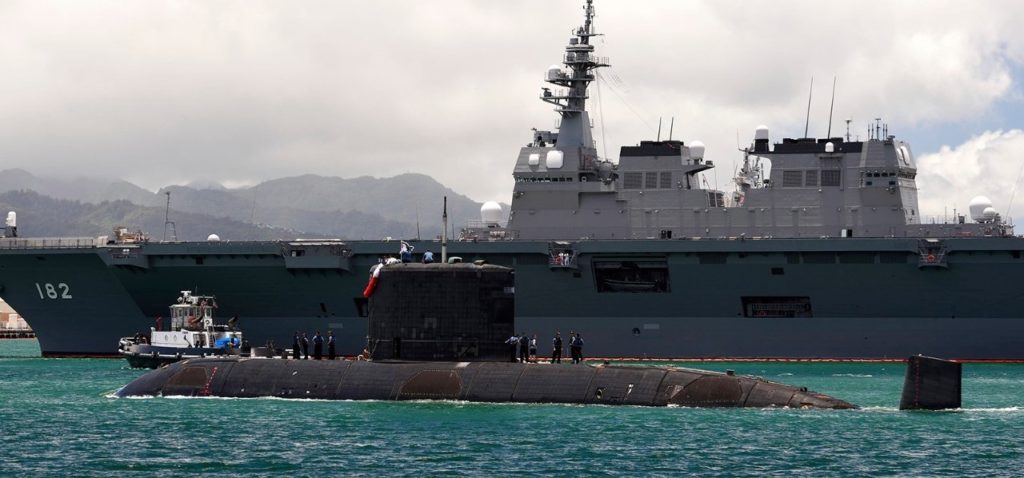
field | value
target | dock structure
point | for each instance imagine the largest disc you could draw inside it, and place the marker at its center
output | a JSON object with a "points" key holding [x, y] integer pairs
{"points": [[17, 334], [12, 326]]}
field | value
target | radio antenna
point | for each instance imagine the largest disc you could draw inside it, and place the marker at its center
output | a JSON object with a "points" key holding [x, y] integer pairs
{"points": [[831, 107], [807, 123], [168, 223]]}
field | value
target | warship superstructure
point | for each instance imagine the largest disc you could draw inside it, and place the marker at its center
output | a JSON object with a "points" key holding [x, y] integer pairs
{"points": [[819, 252]]}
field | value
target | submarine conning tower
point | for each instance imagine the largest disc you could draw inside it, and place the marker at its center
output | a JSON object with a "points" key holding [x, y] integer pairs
{"points": [[441, 312]]}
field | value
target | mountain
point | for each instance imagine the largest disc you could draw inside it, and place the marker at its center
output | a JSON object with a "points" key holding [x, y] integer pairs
{"points": [[363, 208], [43, 216], [356, 208], [77, 189]]}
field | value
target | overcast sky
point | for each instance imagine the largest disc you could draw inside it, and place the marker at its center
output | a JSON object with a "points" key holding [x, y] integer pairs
{"points": [[167, 92]]}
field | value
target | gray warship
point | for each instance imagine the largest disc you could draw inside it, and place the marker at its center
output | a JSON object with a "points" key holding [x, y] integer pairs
{"points": [[819, 253]]}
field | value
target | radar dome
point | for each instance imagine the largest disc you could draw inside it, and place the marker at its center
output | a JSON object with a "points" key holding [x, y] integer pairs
{"points": [[534, 159], [12, 219], [989, 213], [697, 150], [829, 147], [213, 238], [554, 71], [554, 159], [761, 132], [490, 212], [978, 206]]}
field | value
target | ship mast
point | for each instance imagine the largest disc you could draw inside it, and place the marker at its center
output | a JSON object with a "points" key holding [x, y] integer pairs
{"points": [[570, 102]]}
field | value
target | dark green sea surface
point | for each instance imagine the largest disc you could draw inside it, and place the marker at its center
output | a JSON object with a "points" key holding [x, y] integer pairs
{"points": [[57, 418]]}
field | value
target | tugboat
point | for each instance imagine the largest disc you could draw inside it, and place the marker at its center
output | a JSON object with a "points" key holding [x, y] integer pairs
{"points": [[192, 333]]}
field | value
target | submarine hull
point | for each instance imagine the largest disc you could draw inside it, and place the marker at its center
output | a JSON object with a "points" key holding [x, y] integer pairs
{"points": [[470, 381]]}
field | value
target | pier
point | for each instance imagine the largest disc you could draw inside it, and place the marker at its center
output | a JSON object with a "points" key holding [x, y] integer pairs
{"points": [[17, 334]]}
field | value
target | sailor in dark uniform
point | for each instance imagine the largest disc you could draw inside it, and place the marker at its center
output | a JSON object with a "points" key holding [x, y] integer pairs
{"points": [[318, 346], [295, 345], [330, 345], [524, 348], [513, 344], [556, 348], [576, 347], [305, 347]]}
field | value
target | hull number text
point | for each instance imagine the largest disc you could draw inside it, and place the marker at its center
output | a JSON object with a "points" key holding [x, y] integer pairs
{"points": [[50, 291]]}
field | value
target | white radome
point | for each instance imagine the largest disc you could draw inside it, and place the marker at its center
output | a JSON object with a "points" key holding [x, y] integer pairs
{"points": [[761, 132], [977, 207], [697, 150], [554, 159], [12, 219], [213, 238], [491, 212], [989, 213]]}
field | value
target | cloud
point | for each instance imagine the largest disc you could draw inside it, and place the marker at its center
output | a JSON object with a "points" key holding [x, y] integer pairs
{"points": [[240, 91], [989, 164]]}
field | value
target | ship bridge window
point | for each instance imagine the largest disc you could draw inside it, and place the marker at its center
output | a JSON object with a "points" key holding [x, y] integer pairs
{"points": [[665, 180], [811, 178], [651, 180], [792, 179], [830, 177], [629, 276], [632, 180], [716, 199]]}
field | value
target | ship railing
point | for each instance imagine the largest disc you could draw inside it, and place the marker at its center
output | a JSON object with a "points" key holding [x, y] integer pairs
{"points": [[47, 243], [486, 231], [583, 57], [562, 256], [562, 94]]}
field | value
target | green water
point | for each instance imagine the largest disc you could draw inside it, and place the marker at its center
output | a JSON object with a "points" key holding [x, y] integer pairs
{"points": [[57, 419]]}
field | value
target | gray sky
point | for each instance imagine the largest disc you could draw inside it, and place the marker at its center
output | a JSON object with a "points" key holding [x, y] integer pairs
{"points": [[238, 92]]}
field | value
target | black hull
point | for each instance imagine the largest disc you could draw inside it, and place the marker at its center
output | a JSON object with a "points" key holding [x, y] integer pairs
{"points": [[474, 382], [866, 298]]}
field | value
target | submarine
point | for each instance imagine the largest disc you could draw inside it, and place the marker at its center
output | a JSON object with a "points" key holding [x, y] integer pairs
{"points": [[438, 332], [472, 382]]}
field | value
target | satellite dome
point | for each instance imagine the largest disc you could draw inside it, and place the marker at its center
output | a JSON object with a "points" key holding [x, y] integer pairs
{"points": [[534, 159], [554, 159], [12, 219], [697, 150], [989, 213], [554, 71], [829, 147], [490, 212], [978, 206], [213, 238], [761, 132]]}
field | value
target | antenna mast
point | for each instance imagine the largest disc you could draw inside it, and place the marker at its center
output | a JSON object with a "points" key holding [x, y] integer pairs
{"points": [[807, 123], [168, 223], [830, 108], [444, 232]]}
